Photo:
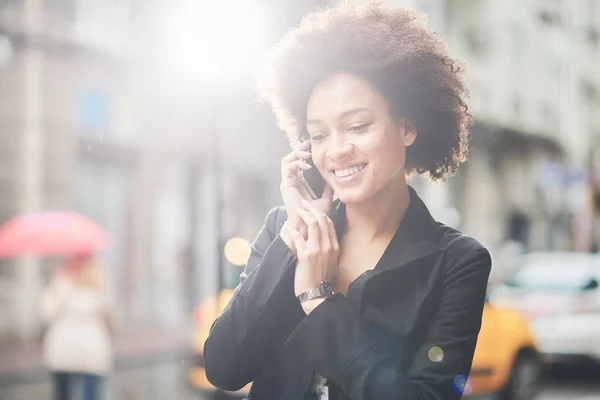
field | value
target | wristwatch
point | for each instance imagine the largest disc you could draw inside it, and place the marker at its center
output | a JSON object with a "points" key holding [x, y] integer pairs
{"points": [[325, 289]]}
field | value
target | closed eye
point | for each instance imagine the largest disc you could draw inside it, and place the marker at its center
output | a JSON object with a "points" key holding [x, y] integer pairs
{"points": [[359, 128], [317, 136]]}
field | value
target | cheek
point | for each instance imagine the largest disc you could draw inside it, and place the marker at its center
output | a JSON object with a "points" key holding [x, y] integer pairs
{"points": [[386, 149]]}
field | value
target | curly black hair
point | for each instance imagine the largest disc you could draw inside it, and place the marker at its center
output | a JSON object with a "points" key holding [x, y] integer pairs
{"points": [[391, 47]]}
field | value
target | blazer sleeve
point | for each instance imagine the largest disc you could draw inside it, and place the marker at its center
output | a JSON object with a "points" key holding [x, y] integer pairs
{"points": [[342, 346], [258, 316]]}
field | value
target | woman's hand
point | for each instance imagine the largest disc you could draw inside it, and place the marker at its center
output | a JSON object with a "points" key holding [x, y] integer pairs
{"points": [[318, 255], [292, 192]]}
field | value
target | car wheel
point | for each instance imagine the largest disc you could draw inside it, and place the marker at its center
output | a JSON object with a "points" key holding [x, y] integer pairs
{"points": [[524, 378]]}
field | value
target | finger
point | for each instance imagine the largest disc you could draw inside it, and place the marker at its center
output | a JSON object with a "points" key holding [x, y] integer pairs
{"points": [[291, 168], [303, 229], [289, 174], [286, 230], [303, 165], [328, 193], [313, 210], [302, 154], [321, 219], [314, 230], [289, 158], [297, 153], [305, 145], [327, 199], [325, 225], [299, 242], [333, 240]]}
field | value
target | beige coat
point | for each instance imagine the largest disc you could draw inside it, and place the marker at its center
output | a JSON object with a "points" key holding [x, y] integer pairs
{"points": [[78, 338]]}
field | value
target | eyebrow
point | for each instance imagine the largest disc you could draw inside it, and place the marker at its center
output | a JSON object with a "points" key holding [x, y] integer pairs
{"points": [[342, 115]]}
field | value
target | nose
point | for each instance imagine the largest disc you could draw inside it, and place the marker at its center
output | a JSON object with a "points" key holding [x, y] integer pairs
{"points": [[339, 147]]}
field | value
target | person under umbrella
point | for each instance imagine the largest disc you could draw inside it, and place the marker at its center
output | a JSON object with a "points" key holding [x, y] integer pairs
{"points": [[77, 306]]}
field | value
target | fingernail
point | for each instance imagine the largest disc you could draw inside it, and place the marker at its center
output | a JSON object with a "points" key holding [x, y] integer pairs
{"points": [[304, 202]]}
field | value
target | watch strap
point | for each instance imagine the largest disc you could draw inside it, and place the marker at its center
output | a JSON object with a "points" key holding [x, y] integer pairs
{"points": [[310, 294], [325, 289]]}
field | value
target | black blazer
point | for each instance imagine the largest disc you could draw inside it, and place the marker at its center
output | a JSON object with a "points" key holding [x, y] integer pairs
{"points": [[426, 292]]}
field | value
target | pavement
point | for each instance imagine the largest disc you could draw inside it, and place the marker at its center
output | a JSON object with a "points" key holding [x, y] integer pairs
{"points": [[21, 364], [165, 379], [152, 364]]}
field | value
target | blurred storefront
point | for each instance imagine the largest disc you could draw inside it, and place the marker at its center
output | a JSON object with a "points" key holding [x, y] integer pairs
{"points": [[533, 93]]}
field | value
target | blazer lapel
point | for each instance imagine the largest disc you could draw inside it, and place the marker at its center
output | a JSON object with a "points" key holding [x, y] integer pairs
{"points": [[412, 242]]}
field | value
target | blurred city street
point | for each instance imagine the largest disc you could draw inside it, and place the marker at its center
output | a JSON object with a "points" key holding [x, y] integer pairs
{"points": [[164, 379]]}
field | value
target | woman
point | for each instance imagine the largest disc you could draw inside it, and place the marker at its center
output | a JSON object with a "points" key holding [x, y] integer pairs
{"points": [[366, 297], [76, 305]]}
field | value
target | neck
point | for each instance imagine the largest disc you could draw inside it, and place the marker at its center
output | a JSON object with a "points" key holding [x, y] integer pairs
{"points": [[381, 214]]}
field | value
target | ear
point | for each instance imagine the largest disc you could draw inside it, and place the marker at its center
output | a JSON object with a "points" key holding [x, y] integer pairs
{"points": [[407, 131]]}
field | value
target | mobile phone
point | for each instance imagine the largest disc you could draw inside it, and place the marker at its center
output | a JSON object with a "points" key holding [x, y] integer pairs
{"points": [[312, 180]]}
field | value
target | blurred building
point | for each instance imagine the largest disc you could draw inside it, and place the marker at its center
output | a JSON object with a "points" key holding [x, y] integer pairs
{"points": [[90, 121], [534, 86], [66, 102]]}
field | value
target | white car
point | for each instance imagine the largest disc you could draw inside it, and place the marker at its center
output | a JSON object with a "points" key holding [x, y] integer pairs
{"points": [[559, 292]]}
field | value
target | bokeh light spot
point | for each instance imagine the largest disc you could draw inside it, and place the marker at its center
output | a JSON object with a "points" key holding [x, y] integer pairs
{"points": [[462, 385], [436, 354], [237, 251]]}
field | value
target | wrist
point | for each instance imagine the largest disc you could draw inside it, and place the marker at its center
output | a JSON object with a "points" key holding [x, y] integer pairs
{"points": [[309, 305], [287, 238]]}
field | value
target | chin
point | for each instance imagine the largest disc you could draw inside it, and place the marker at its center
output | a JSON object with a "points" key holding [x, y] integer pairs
{"points": [[352, 196]]}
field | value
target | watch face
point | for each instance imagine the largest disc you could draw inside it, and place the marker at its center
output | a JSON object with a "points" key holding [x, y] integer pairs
{"points": [[327, 289]]}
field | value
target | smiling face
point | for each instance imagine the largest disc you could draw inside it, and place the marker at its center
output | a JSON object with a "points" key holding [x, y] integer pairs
{"points": [[356, 144]]}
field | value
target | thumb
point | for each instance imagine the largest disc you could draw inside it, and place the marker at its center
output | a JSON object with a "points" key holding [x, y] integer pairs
{"points": [[299, 241], [328, 194]]}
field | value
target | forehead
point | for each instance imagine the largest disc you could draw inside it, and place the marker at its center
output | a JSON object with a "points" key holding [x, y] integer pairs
{"points": [[342, 92]]}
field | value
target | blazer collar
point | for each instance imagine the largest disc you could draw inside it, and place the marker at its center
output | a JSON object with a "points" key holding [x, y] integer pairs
{"points": [[413, 240]]}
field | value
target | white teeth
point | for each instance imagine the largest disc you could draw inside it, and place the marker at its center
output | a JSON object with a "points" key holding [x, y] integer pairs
{"points": [[348, 171]]}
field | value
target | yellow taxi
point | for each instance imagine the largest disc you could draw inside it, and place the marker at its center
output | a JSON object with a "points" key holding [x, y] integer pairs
{"points": [[506, 360], [204, 315]]}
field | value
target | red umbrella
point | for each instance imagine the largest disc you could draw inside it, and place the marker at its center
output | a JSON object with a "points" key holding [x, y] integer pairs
{"points": [[51, 233]]}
